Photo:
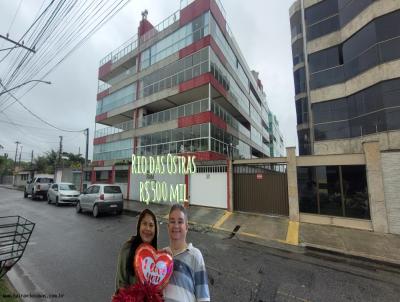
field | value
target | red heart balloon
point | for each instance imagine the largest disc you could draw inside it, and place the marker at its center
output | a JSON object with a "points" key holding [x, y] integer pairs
{"points": [[153, 267]]}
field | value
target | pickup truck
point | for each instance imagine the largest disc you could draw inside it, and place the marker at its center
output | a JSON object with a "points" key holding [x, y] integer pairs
{"points": [[38, 187]]}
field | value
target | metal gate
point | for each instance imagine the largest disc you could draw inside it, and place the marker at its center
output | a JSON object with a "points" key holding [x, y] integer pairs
{"points": [[261, 189]]}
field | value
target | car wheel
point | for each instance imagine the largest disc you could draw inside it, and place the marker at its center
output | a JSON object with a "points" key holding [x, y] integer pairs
{"points": [[95, 211], [25, 194], [57, 204], [48, 199], [78, 207]]}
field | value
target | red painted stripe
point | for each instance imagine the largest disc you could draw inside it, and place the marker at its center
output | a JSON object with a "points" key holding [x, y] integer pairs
{"points": [[218, 16], [187, 186], [101, 117], [217, 85], [105, 69], [128, 190], [103, 94], [196, 46], [201, 118], [193, 10], [93, 175], [195, 82], [206, 155], [218, 51], [112, 178], [100, 140]]}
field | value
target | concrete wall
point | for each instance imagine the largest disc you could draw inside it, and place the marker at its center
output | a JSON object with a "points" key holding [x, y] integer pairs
{"points": [[208, 189], [387, 141], [391, 182]]}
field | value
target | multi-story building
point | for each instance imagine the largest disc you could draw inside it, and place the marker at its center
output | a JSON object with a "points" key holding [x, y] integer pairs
{"points": [[276, 145], [182, 86], [346, 74]]}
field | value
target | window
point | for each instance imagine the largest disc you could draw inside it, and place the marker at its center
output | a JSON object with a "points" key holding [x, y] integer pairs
{"points": [[334, 191], [112, 189], [121, 176], [325, 59], [321, 11], [95, 189], [300, 81]]}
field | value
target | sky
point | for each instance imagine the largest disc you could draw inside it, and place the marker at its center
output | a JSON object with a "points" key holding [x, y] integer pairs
{"points": [[261, 28]]}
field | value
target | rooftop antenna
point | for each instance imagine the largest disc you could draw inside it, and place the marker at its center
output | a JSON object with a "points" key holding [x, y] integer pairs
{"points": [[144, 14]]}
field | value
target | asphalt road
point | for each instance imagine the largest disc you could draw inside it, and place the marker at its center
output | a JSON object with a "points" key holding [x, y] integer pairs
{"points": [[73, 256]]}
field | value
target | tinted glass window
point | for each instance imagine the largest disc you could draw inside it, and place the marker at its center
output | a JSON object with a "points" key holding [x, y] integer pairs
{"points": [[295, 24], [307, 187], [302, 111], [358, 43], [44, 180], [321, 11], [388, 26], [304, 142], [67, 187], [393, 118], [334, 130], [351, 8], [327, 77], [326, 58], [323, 28], [336, 110], [329, 191], [355, 192], [300, 81], [95, 189], [112, 189]]}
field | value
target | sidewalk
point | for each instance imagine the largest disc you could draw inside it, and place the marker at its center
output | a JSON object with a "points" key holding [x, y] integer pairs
{"points": [[359, 243], [276, 232]]}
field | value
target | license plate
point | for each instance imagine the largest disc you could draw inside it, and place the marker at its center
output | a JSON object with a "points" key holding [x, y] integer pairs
{"points": [[113, 206]]}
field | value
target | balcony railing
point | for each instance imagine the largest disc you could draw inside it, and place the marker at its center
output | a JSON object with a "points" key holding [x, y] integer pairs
{"points": [[185, 3], [125, 126], [130, 45]]}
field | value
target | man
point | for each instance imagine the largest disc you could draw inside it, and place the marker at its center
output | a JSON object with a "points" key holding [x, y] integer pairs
{"points": [[189, 282]]}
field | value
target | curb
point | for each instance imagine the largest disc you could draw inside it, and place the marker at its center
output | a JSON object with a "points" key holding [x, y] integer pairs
{"points": [[358, 256]]}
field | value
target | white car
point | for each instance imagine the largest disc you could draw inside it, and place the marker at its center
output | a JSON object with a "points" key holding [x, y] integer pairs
{"points": [[63, 193], [101, 198]]}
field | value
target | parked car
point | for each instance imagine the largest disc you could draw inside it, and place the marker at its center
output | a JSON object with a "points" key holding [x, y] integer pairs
{"points": [[38, 187], [101, 198], [63, 193]]}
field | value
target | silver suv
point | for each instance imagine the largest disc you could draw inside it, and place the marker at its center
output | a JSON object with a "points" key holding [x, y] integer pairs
{"points": [[101, 198]]}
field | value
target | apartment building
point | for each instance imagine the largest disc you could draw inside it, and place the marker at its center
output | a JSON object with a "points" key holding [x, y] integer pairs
{"points": [[346, 71], [182, 86]]}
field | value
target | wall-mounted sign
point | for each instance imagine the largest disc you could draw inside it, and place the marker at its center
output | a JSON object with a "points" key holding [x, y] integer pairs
{"points": [[259, 176]]}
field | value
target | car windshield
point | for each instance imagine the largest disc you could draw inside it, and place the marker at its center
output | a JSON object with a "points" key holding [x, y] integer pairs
{"points": [[45, 180], [112, 189], [67, 187]]}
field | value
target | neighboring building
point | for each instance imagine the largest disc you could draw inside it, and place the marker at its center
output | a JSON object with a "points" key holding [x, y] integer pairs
{"points": [[346, 74], [182, 86], [276, 145]]}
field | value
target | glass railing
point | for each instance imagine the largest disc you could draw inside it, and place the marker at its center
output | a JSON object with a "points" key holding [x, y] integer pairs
{"points": [[125, 126], [102, 86], [156, 118], [132, 43], [229, 119], [161, 26], [121, 51], [174, 113]]}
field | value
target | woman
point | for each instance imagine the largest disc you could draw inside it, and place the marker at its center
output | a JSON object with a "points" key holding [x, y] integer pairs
{"points": [[146, 232]]}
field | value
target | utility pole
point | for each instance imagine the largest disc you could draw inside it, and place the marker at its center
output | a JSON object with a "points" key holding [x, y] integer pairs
{"points": [[16, 151], [17, 44], [60, 150], [87, 147], [15, 160], [19, 160], [31, 159]]}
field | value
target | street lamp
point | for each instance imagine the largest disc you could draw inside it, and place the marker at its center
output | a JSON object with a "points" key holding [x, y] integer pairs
{"points": [[8, 90]]}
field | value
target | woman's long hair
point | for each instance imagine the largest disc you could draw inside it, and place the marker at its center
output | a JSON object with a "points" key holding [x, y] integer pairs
{"points": [[137, 240]]}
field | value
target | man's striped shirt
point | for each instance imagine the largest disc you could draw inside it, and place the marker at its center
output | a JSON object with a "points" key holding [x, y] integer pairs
{"points": [[189, 281]]}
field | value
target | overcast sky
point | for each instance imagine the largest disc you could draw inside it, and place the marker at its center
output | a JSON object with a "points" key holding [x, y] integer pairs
{"points": [[261, 28]]}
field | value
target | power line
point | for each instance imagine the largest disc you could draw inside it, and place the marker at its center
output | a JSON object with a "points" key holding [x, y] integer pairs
{"points": [[35, 115]]}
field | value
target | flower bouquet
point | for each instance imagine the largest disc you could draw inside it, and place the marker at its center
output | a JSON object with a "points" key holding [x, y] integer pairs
{"points": [[153, 270]]}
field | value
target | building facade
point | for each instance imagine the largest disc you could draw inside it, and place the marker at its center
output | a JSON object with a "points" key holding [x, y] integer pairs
{"points": [[346, 71], [182, 86]]}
